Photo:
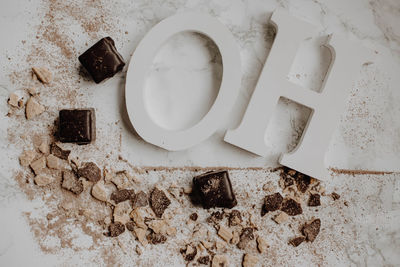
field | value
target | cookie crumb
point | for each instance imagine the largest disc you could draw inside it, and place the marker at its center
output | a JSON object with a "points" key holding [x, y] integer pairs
{"points": [[53, 162], [33, 108], [281, 218], [27, 157], [99, 191], [43, 180], [262, 245], [297, 241], [38, 165], [225, 233], [42, 74], [219, 261], [249, 260], [71, 183]]}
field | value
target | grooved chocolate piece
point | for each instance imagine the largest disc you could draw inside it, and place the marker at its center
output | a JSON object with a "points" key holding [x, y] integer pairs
{"points": [[102, 60], [90, 171], [115, 229], [159, 202], [214, 189], [122, 195], [77, 126], [311, 230], [297, 241], [272, 203], [291, 207]]}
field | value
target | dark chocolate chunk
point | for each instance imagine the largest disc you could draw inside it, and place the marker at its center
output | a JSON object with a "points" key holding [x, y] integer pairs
{"points": [[59, 152], [159, 202], [215, 217], [155, 238], [71, 182], [245, 237], [214, 189], [189, 253], [302, 181], [272, 203], [140, 200], [130, 226], [235, 218], [77, 126], [115, 229], [90, 171], [311, 230], [102, 60], [193, 216], [122, 195], [204, 260], [335, 196], [291, 207], [297, 241], [314, 200]]}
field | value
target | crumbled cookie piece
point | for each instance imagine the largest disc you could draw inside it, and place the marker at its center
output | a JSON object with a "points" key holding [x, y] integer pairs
{"points": [[189, 253], [42, 74], [44, 148], [33, 108], [99, 191], [59, 152], [335, 196], [314, 200], [140, 200], [194, 216], [171, 231], [245, 237], [53, 162], [297, 241], [291, 207], [235, 218], [155, 238], [302, 181], [13, 100], [262, 245], [271, 203], [225, 233], [159, 202], [122, 195], [158, 226], [138, 217], [90, 171], [38, 165], [219, 261], [130, 226], [121, 212], [311, 230], [27, 157], [32, 91], [115, 229], [140, 234], [281, 218], [205, 260], [43, 180], [71, 183], [249, 260], [235, 237]]}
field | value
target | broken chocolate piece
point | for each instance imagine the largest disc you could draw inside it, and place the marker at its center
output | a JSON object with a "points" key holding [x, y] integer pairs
{"points": [[90, 171], [245, 237], [291, 207], [130, 226], [235, 218], [140, 200], [271, 203], [122, 195], [214, 189], [302, 181], [335, 196], [204, 260], [102, 60], [297, 241], [194, 216], [314, 200], [189, 253], [59, 152], [155, 238], [215, 217], [115, 229], [77, 126], [311, 230], [71, 182], [159, 202]]}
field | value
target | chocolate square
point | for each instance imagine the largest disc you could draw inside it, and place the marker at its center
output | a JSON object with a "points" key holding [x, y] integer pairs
{"points": [[214, 189], [77, 126], [102, 60]]}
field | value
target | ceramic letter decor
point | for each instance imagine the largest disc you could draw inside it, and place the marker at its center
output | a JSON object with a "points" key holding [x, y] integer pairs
{"points": [[142, 60], [309, 155]]}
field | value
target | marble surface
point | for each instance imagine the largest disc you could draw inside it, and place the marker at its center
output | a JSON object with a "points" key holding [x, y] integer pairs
{"points": [[188, 67]]}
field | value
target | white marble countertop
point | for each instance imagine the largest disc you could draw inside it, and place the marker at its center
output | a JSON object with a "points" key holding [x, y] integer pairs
{"points": [[188, 67]]}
